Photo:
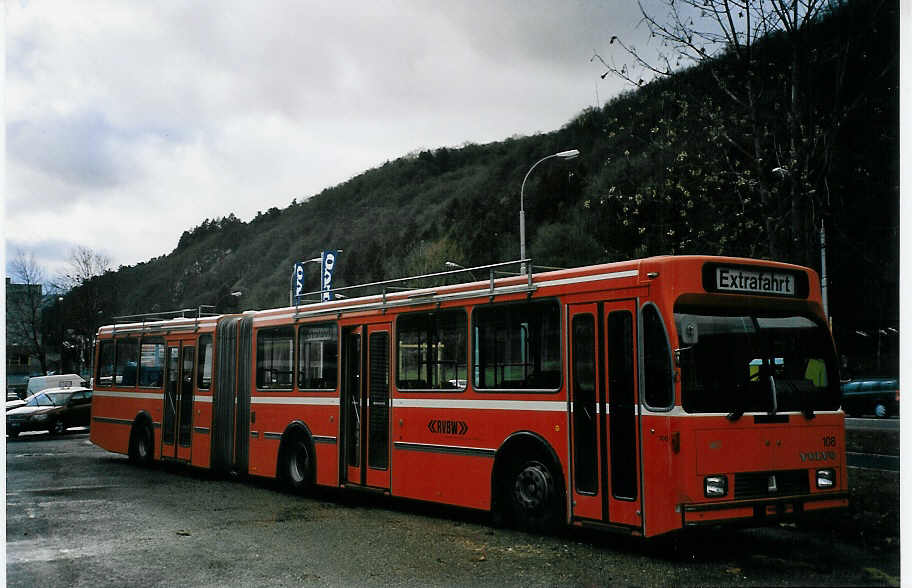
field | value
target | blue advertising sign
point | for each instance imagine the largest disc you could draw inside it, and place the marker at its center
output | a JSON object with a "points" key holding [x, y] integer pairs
{"points": [[328, 266], [298, 277]]}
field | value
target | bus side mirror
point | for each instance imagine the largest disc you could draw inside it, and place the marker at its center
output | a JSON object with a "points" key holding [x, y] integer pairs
{"points": [[690, 334]]}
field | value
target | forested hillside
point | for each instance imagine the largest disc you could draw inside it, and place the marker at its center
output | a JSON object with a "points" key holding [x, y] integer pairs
{"points": [[661, 171]]}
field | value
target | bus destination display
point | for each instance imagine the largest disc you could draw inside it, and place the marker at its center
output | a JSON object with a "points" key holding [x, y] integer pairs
{"points": [[749, 279], [756, 282]]}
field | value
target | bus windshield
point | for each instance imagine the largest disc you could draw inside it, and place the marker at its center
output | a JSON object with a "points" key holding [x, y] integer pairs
{"points": [[737, 363]]}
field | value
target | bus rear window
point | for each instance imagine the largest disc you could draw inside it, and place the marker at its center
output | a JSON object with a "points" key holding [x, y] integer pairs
{"points": [[754, 363]]}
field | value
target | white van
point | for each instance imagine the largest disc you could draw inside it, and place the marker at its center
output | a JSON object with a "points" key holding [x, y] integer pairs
{"points": [[39, 383]]}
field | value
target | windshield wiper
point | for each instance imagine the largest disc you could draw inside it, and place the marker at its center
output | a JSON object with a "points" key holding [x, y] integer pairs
{"points": [[735, 414], [739, 411], [775, 398]]}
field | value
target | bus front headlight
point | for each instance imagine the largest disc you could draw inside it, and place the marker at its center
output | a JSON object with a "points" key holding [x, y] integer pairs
{"points": [[826, 478], [715, 486]]}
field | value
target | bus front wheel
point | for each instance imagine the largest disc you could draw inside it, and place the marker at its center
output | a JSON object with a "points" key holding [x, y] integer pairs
{"points": [[533, 496]]}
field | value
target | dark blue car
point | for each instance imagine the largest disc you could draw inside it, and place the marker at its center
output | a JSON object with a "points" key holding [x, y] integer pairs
{"points": [[877, 396]]}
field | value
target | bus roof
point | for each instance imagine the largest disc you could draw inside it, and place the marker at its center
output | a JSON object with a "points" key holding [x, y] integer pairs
{"points": [[682, 270]]}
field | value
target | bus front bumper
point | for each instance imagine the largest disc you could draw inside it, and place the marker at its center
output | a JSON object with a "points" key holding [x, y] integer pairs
{"points": [[759, 511]]}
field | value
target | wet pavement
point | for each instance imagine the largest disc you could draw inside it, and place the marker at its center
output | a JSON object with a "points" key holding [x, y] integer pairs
{"points": [[79, 516]]}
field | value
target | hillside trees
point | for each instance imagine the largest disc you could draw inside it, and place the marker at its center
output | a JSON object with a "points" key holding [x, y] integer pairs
{"points": [[781, 155]]}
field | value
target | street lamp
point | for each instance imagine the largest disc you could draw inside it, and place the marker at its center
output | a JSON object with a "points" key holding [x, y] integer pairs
{"points": [[455, 266], [60, 331], [236, 294], [569, 154]]}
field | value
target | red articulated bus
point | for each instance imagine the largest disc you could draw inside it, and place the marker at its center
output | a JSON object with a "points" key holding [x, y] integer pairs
{"points": [[641, 396]]}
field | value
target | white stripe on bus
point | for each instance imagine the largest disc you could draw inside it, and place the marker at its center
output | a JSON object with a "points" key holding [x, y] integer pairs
{"points": [[311, 400], [583, 279], [114, 394], [534, 405]]}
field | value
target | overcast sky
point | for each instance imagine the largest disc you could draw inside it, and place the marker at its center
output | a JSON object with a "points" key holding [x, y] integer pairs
{"points": [[130, 122]]}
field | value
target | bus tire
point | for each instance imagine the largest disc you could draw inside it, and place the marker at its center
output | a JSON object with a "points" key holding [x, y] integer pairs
{"points": [[533, 495], [297, 463], [141, 444]]}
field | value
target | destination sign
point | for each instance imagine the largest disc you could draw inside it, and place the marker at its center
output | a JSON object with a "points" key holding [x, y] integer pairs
{"points": [[751, 279], [732, 279]]}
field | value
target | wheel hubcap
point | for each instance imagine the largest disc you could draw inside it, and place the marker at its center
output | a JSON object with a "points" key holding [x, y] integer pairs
{"points": [[532, 488]]}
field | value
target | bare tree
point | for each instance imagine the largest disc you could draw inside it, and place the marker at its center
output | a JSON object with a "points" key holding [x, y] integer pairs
{"points": [[85, 297], [84, 264], [788, 163], [24, 306]]}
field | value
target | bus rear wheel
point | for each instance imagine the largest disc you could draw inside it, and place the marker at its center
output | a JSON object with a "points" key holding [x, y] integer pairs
{"points": [[140, 451], [297, 465], [534, 497]]}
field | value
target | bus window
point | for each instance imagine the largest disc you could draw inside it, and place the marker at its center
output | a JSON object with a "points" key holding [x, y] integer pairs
{"points": [[319, 355], [274, 356], [517, 346], [432, 351], [657, 359], [204, 363], [151, 362], [105, 374], [126, 362]]}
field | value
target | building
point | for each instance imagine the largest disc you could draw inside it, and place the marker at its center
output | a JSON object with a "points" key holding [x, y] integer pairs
{"points": [[24, 343]]}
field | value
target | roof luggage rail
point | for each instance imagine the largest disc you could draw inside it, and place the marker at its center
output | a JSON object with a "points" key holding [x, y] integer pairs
{"points": [[167, 315], [491, 272]]}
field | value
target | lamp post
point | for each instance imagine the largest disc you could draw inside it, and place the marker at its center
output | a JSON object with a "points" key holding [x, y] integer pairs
{"points": [[60, 332], [455, 266], [569, 154], [236, 294]]}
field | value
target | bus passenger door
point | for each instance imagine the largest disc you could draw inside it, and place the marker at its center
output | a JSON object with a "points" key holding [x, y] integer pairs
{"points": [[177, 415], [169, 412], [365, 405], [587, 397], [185, 404], [623, 460]]}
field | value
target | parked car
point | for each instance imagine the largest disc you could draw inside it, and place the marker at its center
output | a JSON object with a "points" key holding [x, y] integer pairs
{"points": [[877, 396], [14, 402], [53, 410]]}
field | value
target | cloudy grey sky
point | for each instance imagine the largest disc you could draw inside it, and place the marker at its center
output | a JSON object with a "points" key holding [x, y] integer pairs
{"points": [[130, 122]]}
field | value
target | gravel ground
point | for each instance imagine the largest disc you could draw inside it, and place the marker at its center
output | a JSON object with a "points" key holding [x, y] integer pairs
{"points": [[78, 516]]}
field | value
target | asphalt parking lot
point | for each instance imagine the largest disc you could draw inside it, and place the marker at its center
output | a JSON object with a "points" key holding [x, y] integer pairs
{"points": [[79, 516]]}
